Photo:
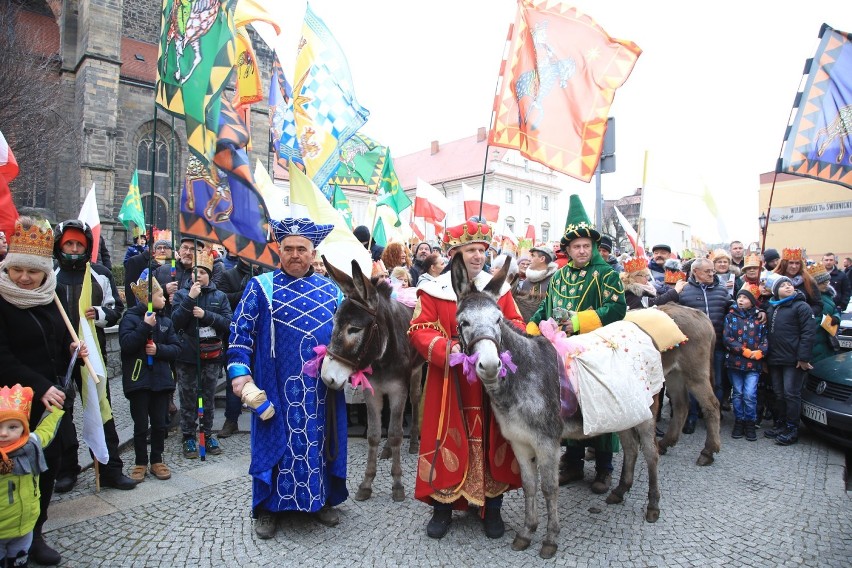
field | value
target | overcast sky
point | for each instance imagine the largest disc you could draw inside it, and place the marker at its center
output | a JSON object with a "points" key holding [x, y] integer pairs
{"points": [[712, 91]]}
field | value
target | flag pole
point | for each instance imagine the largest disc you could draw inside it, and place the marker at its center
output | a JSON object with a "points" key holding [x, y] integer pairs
{"points": [[640, 224], [74, 337], [151, 212]]}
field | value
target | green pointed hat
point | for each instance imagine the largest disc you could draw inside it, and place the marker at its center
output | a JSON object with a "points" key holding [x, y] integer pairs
{"points": [[577, 224]]}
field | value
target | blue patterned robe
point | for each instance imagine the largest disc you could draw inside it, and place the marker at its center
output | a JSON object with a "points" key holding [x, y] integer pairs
{"points": [[278, 322]]}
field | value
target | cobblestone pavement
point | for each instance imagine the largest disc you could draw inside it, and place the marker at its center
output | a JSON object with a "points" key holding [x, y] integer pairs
{"points": [[758, 505]]}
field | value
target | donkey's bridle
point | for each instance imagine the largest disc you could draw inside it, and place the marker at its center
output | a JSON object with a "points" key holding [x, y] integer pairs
{"points": [[467, 346], [359, 362]]}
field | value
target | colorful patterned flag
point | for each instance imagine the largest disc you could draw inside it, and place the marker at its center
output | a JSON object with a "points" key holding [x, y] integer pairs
{"points": [[557, 87], [248, 75], [362, 160], [818, 142], [280, 93], [326, 112], [131, 214], [390, 192], [197, 57]]}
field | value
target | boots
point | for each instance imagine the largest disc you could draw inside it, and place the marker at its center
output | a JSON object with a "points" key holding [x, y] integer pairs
{"points": [[493, 523], [739, 427], [19, 561], [569, 472], [779, 428], [789, 436], [439, 524], [750, 433], [41, 553]]}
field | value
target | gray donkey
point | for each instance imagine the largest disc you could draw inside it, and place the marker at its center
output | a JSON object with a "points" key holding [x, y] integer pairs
{"points": [[370, 330], [527, 405]]}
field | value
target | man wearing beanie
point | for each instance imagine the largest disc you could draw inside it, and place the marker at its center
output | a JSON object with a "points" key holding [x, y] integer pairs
{"points": [[73, 242], [362, 233], [770, 259], [605, 248]]}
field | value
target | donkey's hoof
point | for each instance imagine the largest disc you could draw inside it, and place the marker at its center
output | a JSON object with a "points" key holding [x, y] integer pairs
{"points": [[398, 494], [614, 499], [520, 543], [704, 459], [363, 493], [414, 449], [651, 515], [548, 550], [662, 450], [386, 453]]}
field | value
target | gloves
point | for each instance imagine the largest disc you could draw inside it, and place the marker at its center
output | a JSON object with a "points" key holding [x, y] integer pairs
{"points": [[255, 399], [756, 354], [835, 320], [747, 352]]}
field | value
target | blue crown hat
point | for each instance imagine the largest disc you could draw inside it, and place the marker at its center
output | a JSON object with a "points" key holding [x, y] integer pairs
{"points": [[290, 227]]}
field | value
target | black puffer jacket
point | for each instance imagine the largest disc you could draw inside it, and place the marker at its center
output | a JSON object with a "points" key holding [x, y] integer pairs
{"points": [[217, 315], [235, 280], [133, 334], [791, 331], [712, 299]]}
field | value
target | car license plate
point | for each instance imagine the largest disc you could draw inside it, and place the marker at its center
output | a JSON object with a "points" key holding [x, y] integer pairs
{"points": [[814, 413], [845, 343]]}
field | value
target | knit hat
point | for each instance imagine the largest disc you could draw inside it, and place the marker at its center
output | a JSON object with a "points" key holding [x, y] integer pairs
{"points": [[140, 287], [362, 233], [819, 273], [302, 227], [73, 234], [605, 243], [467, 233], [577, 223], [15, 404], [770, 254], [752, 261], [163, 238], [795, 253], [32, 247], [548, 253], [774, 280], [750, 291]]}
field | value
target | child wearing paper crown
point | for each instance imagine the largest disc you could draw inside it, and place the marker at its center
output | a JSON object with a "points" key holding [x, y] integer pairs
{"points": [[21, 462], [148, 345], [791, 335], [746, 344]]}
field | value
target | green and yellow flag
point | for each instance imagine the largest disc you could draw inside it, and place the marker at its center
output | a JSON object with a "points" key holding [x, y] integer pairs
{"points": [[197, 56], [131, 214], [341, 203], [390, 192]]}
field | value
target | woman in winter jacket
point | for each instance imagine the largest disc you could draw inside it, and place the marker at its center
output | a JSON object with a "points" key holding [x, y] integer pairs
{"points": [[791, 337], [640, 292]]}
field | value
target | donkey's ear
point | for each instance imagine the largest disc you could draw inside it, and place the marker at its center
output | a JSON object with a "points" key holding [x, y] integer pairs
{"points": [[340, 278], [458, 276], [496, 283], [362, 284]]}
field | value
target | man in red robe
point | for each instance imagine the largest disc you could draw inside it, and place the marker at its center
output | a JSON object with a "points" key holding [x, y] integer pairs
{"points": [[464, 459]]}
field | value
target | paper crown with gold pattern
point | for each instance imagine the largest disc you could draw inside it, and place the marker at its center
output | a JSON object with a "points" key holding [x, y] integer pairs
{"points": [[140, 287], [752, 261], [819, 273], [796, 254], [31, 247], [467, 233], [204, 259], [636, 264], [577, 224], [15, 403], [674, 276]]}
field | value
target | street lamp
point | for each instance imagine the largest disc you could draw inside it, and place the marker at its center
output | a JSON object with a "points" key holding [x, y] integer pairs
{"points": [[762, 222]]}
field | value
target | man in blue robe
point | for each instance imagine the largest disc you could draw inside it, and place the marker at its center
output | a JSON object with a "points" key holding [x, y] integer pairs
{"points": [[298, 454]]}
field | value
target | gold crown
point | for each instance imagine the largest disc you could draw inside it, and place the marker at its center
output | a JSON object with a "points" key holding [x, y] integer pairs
{"points": [[792, 254], [674, 276], [140, 288], [636, 264], [37, 240], [164, 235], [466, 233], [204, 259], [819, 273], [17, 401], [752, 261]]}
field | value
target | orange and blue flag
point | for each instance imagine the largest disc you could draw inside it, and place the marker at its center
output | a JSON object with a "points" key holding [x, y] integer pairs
{"points": [[818, 141]]}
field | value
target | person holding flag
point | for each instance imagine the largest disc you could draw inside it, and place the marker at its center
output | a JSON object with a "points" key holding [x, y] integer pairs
{"points": [[72, 247]]}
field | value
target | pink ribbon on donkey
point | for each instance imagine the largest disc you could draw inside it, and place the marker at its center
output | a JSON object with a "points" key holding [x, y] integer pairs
{"points": [[359, 378], [468, 363]]}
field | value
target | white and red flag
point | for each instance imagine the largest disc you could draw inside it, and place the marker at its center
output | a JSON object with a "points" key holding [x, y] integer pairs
{"points": [[490, 211]]}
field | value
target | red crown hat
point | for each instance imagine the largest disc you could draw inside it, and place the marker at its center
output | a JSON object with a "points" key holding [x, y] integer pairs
{"points": [[467, 233], [636, 264], [792, 254], [674, 276]]}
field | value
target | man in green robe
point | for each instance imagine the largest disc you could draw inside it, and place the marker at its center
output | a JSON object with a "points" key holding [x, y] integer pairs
{"points": [[583, 295]]}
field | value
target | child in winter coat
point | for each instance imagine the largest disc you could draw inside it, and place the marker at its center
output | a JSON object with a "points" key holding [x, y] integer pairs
{"points": [[21, 462], [827, 323], [746, 343], [202, 315], [148, 346], [791, 336]]}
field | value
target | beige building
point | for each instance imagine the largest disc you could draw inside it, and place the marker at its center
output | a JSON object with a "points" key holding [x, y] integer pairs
{"points": [[807, 213]]}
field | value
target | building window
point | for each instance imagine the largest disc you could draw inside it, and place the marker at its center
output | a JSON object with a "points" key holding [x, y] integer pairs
{"points": [[545, 232], [544, 203], [154, 160], [510, 223], [161, 210], [510, 198], [145, 155]]}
